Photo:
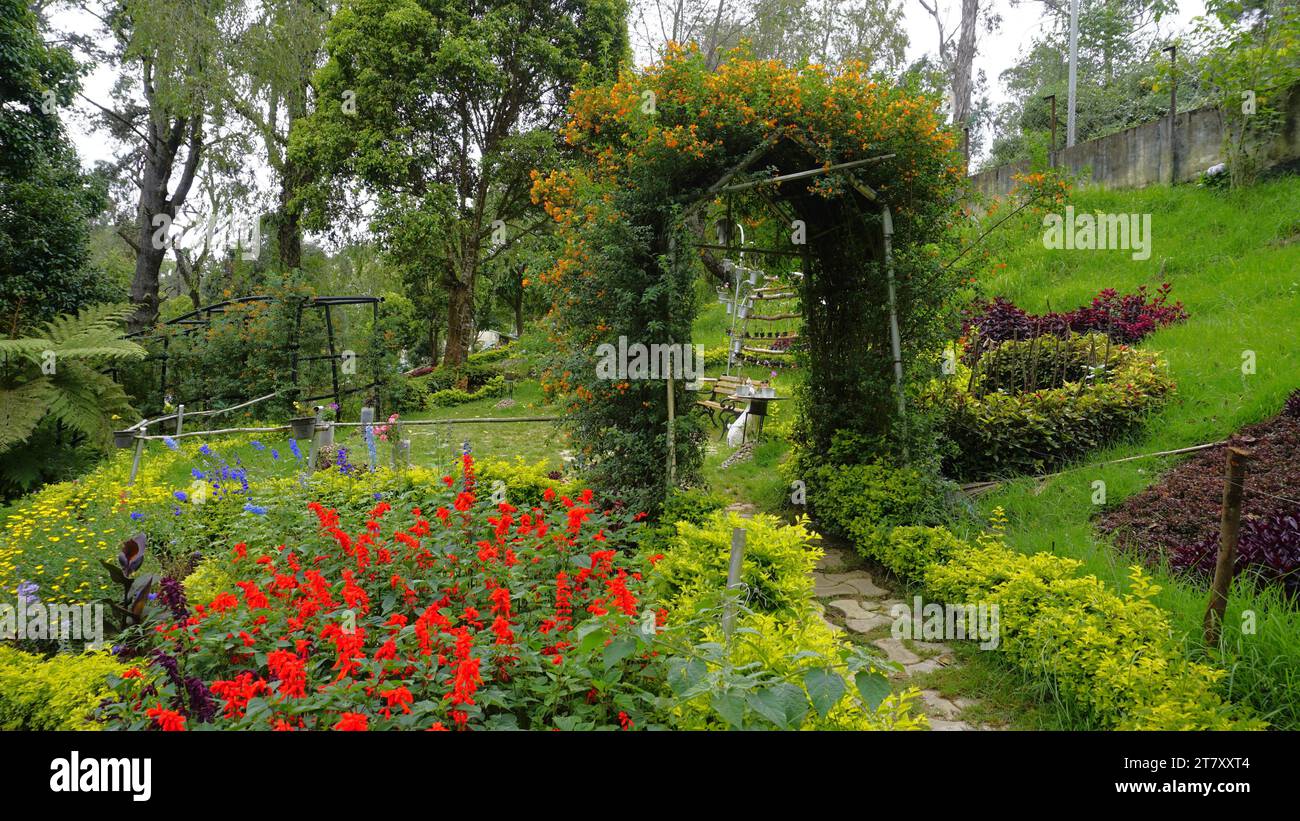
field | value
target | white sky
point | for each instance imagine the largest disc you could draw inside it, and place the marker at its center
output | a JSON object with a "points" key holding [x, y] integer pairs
{"points": [[997, 52]]}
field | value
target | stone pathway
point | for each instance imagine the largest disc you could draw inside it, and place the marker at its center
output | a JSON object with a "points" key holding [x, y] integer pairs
{"points": [[862, 608]]}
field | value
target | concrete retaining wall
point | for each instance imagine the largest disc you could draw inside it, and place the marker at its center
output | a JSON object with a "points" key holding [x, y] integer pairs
{"points": [[1140, 156]]}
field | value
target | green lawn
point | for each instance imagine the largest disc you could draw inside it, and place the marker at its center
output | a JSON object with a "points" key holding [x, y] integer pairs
{"points": [[1234, 261]]}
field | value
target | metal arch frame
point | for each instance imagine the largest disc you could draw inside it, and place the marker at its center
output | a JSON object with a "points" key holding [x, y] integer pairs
{"points": [[723, 185], [202, 317]]}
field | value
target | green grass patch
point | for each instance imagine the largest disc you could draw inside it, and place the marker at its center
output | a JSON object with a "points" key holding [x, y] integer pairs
{"points": [[1233, 262]]}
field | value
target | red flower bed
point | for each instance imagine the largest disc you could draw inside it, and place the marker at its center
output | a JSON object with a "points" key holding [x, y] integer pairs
{"points": [[457, 614]]}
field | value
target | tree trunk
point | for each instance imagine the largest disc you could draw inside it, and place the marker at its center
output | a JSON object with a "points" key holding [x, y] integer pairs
{"points": [[519, 312], [460, 322], [149, 259], [964, 62], [288, 232], [433, 343]]}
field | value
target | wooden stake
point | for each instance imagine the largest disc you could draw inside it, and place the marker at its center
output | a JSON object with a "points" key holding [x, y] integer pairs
{"points": [[733, 578], [672, 438], [1229, 528], [139, 451]]}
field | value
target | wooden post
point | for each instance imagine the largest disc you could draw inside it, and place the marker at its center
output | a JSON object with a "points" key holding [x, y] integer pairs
{"points": [[1173, 112], [139, 451], [180, 418], [1229, 527], [733, 578]]}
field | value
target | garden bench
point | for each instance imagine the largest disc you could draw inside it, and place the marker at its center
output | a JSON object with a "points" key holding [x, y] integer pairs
{"points": [[719, 404]]}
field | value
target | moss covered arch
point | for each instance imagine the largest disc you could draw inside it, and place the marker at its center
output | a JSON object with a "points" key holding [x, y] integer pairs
{"points": [[657, 147]]}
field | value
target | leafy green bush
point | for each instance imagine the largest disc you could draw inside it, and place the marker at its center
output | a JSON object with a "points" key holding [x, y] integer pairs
{"points": [[864, 502], [496, 386], [777, 569], [693, 506], [1112, 657], [997, 434], [211, 577], [468, 377], [782, 658], [59, 693], [908, 551], [497, 354], [525, 484]]}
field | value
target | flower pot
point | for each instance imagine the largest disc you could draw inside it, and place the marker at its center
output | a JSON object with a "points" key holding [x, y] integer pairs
{"points": [[301, 427], [123, 438]]}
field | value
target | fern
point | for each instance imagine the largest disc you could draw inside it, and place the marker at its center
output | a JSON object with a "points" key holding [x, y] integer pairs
{"points": [[73, 393]]}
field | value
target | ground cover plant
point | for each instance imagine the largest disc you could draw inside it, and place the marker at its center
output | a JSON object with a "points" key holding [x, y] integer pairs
{"points": [[1176, 520]]}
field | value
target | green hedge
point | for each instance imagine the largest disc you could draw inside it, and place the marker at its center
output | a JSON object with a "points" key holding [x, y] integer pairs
{"points": [[59, 693], [863, 502], [997, 429], [1111, 657]]}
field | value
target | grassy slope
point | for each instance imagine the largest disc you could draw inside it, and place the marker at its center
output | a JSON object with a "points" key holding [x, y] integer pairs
{"points": [[1234, 260]]}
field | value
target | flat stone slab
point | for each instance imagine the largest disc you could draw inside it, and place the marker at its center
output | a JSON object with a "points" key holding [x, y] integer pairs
{"points": [[850, 608], [853, 583], [834, 559], [939, 706], [927, 666], [896, 652], [948, 726], [835, 628]]}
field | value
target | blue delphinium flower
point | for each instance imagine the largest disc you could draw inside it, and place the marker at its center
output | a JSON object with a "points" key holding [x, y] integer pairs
{"points": [[137, 516], [171, 443], [27, 592], [196, 473], [257, 445], [181, 496], [293, 448], [275, 454], [255, 509], [205, 450]]}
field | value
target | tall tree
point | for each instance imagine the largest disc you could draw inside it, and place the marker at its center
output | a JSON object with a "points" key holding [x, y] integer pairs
{"points": [[278, 49], [437, 110], [46, 202], [958, 45], [168, 110]]}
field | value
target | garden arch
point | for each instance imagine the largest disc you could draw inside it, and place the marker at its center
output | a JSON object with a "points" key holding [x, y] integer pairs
{"points": [[867, 168]]}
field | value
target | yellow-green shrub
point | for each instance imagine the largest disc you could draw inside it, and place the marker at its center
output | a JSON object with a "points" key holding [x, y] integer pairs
{"points": [[1112, 656], [907, 551], [59, 693], [211, 577], [776, 570], [789, 647]]}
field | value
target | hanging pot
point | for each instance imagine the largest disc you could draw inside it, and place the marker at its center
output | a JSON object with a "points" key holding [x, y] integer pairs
{"points": [[123, 438], [302, 426]]}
